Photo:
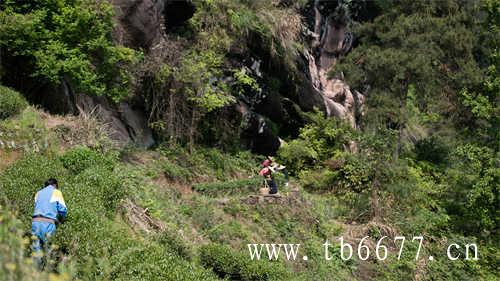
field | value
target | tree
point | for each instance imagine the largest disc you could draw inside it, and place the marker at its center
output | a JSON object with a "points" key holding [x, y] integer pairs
{"points": [[66, 39], [429, 46]]}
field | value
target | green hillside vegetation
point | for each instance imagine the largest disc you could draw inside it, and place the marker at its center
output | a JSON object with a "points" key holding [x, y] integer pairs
{"points": [[424, 160], [205, 231]]}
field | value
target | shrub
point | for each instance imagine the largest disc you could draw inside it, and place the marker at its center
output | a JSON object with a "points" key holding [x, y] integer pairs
{"points": [[355, 174], [343, 173], [14, 265], [23, 179], [297, 155], [319, 180], [228, 187], [175, 172], [152, 263], [320, 140], [228, 263], [229, 232], [69, 40], [11, 102], [80, 158], [175, 244]]}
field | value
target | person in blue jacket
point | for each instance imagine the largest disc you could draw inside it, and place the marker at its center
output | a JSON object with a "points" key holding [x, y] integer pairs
{"points": [[50, 209]]}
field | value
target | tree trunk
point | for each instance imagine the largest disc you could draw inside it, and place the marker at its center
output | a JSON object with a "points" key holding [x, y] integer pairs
{"points": [[192, 129], [171, 114], [374, 206]]}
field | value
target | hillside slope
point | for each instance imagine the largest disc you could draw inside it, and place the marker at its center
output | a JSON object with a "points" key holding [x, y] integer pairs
{"points": [[140, 215]]}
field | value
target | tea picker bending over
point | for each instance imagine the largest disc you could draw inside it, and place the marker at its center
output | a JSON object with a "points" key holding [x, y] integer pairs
{"points": [[50, 209]]}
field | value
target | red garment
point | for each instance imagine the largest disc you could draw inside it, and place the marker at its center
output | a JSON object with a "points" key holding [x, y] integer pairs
{"points": [[265, 172]]}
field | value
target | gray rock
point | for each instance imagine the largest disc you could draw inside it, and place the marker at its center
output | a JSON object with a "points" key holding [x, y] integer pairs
{"points": [[142, 23], [139, 22], [127, 125], [331, 41], [137, 125]]}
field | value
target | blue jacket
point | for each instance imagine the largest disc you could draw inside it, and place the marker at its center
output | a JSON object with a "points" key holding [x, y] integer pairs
{"points": [[49, 203]]}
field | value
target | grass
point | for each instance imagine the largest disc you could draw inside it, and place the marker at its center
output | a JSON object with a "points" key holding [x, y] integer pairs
{"points": [[25, 132]]}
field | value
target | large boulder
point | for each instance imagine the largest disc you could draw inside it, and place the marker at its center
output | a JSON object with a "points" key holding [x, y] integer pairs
{"points": [[126, 124], [142, 23]]}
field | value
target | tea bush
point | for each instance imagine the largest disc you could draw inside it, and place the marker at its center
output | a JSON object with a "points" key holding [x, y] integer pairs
{"points": [[175, 244], [152, 262], [175, 172], [81, 158], [229, 187], [22, 180], [227, 263], [14, 265], [11, 102], [101, 246]]}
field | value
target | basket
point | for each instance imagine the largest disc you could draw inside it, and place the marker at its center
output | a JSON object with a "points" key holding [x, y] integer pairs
{"points": [[264, 191]]}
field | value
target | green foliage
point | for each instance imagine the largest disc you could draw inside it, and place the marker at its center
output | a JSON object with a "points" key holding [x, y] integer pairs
{"points": [[479, 104], [199, 72], [183, 165], [26, 132], [15, 265], [80, 158], [318, 141], [229, 186], [480, 112], [68, 39], [175, 172], [431, 48], [472, 197], [425, 63], [21, 181], [355, 174], [244, 84], [228, 263], [431, 149], [225, 165], [11, 102], [275, 27], [320, 180], [175, 244], [151, 262], [92, 238], [343, 173]]}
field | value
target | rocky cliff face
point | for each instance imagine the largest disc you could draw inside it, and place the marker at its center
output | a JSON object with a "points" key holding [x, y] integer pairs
{"points": [[145, 25], [328, 40]]}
